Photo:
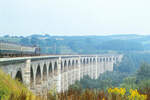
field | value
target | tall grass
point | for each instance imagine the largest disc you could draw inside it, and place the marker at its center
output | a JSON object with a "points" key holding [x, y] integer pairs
{"points": [[11, 89]]}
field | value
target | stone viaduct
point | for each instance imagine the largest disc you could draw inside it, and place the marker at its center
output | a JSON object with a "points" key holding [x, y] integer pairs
{"points": [[57, 72]]}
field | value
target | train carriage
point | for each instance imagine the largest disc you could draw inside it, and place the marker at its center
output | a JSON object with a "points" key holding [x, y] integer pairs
{"points": [[14, 50]]}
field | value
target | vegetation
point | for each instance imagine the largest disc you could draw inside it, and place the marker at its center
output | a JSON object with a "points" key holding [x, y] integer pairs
{"points": [[12, 89], [122, 94], [132, 87], [110, 94]]}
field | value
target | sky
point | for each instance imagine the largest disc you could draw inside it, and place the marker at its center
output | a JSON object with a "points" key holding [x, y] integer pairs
{"points": [[74, 17]]}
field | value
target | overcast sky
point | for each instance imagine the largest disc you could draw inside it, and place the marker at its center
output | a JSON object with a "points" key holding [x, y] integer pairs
{"points": [[74, 17]]}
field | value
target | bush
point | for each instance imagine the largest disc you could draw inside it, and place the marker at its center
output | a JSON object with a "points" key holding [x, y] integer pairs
{"points": [[13, 89]]}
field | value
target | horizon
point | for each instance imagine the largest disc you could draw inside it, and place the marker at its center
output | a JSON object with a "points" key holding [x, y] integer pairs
{"points": [[1, 35]]}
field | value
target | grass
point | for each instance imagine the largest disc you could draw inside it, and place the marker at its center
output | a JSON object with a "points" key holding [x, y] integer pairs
{"points": [[12, 89]]}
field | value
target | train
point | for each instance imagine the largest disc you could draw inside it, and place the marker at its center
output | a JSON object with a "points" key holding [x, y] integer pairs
{"points": [[15, 50]]}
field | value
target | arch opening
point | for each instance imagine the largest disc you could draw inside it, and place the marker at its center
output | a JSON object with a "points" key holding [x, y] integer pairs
{"points": [[100, 59], [103, 59], [84, 62], [55, 68], [76, 62], [38, 75], [50, 71], [62, 67], [80, 61], [94, 60], [69, 64], [19, 76], [110, 59], [31, 75], [90, 60], [87, 61], [44, 72], [106, 59], [73, 65], [114, 59], [65, 65]]}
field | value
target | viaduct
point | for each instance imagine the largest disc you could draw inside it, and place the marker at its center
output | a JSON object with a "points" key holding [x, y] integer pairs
{"points": [[49, 72]]}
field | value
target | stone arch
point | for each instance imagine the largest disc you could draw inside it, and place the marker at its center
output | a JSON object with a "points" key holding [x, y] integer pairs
{"points": [[103, 59], [90, 60], [100, 59], [19, 76], [80, 61], [62, 66], [44, 72], [84, 61], [87, 61], [55, 68], [106, 59], [94, 60], [76, 62], [113, 58], [110, 59], [116, 58], [65, 65], [38, 75], [69, 64], [31, 75], [73, 63], [50, 70]]}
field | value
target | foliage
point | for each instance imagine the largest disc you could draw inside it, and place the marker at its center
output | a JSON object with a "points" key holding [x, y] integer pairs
{"points": [[84, 95], [120, 91], [117, 93], [106, 80], [94, 94], [134, 95], [122, 94], [141, 79], [143, 72], [77, 86], [129, 83], [12, 89], [132, 61]]}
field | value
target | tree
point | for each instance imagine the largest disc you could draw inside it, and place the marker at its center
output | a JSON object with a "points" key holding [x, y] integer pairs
{"points": [[129, 82], [144, 72]]}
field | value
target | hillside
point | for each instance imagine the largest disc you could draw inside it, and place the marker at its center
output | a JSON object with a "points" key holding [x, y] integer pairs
{"points": [[84, 44]]}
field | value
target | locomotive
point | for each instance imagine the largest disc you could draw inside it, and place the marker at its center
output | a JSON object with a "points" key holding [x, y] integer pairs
{"points": [[14, 50]]}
